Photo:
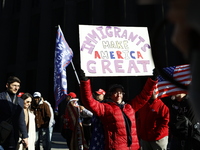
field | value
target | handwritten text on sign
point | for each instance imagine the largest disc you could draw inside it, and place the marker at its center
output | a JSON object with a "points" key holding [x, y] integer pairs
{"points": [[115, 51]]}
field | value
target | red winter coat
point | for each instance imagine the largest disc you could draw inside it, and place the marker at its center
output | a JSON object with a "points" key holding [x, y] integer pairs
{"points": [[112, 118], [152, 122]]}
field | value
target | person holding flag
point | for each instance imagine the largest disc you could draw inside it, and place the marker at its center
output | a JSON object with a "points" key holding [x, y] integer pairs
{"points": [[63, 57], [152, 124], [184, 123], [73, 123]]}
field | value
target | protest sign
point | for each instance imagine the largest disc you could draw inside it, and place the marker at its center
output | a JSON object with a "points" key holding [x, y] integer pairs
{"points": [[115, 51]]}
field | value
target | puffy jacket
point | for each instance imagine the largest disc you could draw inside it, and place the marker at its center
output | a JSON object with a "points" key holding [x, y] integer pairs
{"points": [[152, 122], [112, 117]]}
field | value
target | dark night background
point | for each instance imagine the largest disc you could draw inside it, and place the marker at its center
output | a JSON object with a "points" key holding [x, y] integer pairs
{"points": [[28, 31]]}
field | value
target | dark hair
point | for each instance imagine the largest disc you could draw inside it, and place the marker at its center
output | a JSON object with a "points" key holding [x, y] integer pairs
{"points": [[116, 86], [26, 95], [12, 79]]}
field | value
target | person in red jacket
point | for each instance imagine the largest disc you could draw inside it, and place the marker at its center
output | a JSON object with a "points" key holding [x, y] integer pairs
{"points": [[118, 118], [152, 124]]}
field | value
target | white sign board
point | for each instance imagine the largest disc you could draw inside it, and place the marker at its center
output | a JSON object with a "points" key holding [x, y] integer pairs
{"points": [[115, 51]]}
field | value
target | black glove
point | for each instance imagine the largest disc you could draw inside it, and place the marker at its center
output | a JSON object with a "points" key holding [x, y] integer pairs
{"points": [[82, 75], [155, 74]]}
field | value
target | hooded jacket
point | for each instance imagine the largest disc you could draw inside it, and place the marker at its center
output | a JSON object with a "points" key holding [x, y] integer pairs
{"points": [[112, 118]]}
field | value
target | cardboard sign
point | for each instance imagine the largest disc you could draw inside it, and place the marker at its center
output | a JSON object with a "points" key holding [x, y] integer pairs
{"points": [[115, 51]]}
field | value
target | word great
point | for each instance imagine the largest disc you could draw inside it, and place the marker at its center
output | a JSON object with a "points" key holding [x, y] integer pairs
{"points": [[118, 65]]}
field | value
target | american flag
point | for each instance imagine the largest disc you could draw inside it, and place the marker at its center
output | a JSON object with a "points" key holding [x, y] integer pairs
{"points": [[180, 73], [97, 141], [63, 57]]}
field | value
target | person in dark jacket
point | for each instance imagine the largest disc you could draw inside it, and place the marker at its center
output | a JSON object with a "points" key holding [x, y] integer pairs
{"points": [[118, 118], [152, 124], [12, 108], [184, 124]]}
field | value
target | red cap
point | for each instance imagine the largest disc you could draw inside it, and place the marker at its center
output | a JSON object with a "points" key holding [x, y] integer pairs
{"points": [[101, 91], [72, 94], [20, 94]]}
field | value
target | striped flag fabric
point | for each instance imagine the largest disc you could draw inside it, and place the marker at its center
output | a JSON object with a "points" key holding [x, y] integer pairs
{"points": [[180, 73], [97, 141], [63, 57]]}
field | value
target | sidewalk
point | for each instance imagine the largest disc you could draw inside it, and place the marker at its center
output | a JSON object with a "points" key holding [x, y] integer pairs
{"points": [[58, 142]]}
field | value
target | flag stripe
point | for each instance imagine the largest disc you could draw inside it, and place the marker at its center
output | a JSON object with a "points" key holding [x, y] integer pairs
{"points": [[180, 73]]}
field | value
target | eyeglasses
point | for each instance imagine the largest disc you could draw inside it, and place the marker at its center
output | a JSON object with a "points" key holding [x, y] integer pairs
{"points": [[118, 92]]}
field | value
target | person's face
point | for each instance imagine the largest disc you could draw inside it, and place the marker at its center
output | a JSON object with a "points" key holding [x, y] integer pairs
{"points": [[13, 87], [36, 100], [68, 98], [179, 97], [100, 97], [27, 102], [74, 103], [117, 95]]}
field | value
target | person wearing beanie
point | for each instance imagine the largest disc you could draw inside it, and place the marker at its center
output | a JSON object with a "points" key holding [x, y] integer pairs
{"points": [[42, 118], [117, 117]]}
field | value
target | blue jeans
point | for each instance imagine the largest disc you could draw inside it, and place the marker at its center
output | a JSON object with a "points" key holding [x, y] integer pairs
{"points": [[42, 134], [51, 132]]}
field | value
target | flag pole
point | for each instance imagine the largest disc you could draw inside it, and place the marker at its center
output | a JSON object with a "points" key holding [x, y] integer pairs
{"points": [[75, 72]]}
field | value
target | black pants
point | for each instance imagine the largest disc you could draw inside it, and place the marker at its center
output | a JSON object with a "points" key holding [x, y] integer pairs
{"points": [[68, 137], [189, 144], [87, 133]]}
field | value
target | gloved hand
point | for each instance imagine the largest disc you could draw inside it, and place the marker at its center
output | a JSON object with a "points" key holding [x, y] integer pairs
{"points": [[82, 75], [155, 74]]}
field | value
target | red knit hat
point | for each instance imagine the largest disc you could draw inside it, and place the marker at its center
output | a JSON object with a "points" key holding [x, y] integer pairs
{"points": [[72, 94]]}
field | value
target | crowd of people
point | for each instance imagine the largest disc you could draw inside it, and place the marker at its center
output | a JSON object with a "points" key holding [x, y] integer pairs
{"points": [[104, 121], [30, 116], [143, 123]]}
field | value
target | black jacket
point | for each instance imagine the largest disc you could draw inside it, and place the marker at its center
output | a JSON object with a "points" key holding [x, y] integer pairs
{"points": [[15, 111]]}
